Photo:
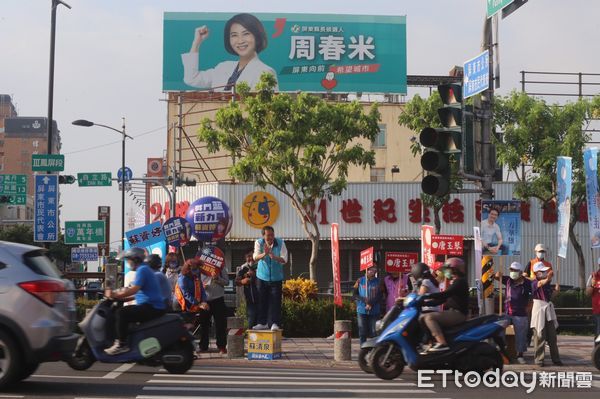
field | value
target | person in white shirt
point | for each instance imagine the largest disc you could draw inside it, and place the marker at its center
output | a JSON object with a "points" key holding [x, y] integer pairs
{"points": [[244, 37], [491, 236]]}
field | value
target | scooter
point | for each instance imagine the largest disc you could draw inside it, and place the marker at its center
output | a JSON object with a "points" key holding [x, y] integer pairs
{"points": [[397, 346], [596, 353], [162, 341]]}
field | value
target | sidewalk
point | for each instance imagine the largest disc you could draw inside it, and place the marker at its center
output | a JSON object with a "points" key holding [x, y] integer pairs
{"points": [[575, 353]]}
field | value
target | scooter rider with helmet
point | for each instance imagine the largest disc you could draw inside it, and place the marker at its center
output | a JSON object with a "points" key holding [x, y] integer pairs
{"points": [[149, 300], [456, 304]]}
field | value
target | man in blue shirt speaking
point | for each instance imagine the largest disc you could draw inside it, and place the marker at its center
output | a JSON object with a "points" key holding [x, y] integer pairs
{"points": [[271, 254], [148, 298]]}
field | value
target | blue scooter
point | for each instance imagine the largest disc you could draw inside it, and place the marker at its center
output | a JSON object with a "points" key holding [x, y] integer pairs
{"points": [[162, 341], [397, 346]]}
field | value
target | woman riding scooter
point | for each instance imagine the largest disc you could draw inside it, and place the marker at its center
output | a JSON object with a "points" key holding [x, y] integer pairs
{"points": [[456, 299]]}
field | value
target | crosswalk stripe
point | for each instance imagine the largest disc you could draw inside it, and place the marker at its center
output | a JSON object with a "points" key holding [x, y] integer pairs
{"points": [[264, 382], [251, 369], [253, 378], [238, 397], [288, 390]]}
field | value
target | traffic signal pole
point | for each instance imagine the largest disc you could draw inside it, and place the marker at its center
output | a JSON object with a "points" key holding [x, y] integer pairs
{"points": [[486, 116]]}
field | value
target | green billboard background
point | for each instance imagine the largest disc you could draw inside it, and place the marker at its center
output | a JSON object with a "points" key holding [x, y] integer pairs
{"points": [[379, 40]]}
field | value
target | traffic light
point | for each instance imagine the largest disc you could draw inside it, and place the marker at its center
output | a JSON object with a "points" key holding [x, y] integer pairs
{"points": [[186, 182], [66, 179], [442, 146]]}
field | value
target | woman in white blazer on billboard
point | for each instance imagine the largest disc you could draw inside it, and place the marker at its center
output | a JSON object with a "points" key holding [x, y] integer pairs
{"points": [[244, 36]]}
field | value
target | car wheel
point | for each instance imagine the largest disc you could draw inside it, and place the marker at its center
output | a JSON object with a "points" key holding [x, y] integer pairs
{"points": [[10, 360], [27, 370]]}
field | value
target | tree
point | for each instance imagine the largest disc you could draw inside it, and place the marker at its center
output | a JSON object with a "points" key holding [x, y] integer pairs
{"points": [[418, 114], [534, 133], [299, 144]]}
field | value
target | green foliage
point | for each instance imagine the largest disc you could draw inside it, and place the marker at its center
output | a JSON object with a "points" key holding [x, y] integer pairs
{"points": [[23, 234], [313, 318], [82, 304], [300, 144], [300, 289], [572, 299]]}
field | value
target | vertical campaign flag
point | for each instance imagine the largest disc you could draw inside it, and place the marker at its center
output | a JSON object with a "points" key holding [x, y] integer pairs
{"points": [[590, 160], [366, 258], [335, 264], [564, 172], [426, 234], [501, 228]]}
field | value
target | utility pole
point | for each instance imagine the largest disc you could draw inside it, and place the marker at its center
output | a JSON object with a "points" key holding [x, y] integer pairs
{"points": [[486, 116]]}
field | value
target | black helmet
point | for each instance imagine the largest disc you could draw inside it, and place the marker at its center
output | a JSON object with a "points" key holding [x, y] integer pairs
{"points": [[457, 265], [419, 270], [154, 261], [135, 254]]}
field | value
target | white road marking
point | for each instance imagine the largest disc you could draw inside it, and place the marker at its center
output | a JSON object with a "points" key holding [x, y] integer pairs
{"points": [[239, 397], [11, 396], [278, 377], [283, 390], [291, 372], [69, 377], [118, 371], [269, 382]]}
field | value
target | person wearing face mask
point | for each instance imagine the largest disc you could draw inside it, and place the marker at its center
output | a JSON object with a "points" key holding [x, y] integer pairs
{"points": [[593, 290], [189, 291], [540, 256], [543, 316], [518, 291], [368, 294], [456, 303]]}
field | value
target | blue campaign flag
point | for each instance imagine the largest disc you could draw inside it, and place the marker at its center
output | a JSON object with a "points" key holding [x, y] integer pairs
{"points": [[145, 236], [564, 173], [476, 75], [45, 214], [158, 247], [590, 161], [501, 228]]}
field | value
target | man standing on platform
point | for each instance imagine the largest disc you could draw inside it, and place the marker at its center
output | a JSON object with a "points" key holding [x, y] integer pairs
{"points": [[271, 254]]}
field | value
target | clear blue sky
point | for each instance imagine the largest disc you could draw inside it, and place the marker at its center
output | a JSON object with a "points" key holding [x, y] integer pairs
{"points": [[109, 60]]}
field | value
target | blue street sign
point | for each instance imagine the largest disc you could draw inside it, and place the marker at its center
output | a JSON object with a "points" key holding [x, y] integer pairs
{"points": [[476, 75], [46, 208], [128, 174], [85, 254]]}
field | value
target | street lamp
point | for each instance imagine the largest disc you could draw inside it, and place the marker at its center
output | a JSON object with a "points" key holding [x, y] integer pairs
{"points": [[85, 123]]}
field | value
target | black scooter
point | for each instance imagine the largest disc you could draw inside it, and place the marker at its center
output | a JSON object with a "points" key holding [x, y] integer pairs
{"points": [[162, 341], [596, 353]]}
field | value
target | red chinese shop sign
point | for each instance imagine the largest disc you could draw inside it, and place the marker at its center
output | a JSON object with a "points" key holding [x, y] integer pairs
{"points": [[451, 245], [400, 261], [366, 259]]}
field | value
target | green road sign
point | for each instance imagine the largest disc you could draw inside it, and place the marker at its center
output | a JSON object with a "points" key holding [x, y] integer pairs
{"points": [[47, 163], [84, 232], [493, 6], [15, 187], [94, 179]]}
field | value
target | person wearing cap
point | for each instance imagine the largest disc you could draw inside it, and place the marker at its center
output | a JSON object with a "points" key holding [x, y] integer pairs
{"points": [[593, 290], [518, 291], [540, 256], [543, 316], [368, 294]]}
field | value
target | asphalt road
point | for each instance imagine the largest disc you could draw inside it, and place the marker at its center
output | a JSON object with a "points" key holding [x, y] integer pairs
{"points": [[254, 380]]}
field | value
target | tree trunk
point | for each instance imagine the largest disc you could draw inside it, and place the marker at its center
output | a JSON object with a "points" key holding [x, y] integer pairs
{"points": [[578, 249], [314, 251], [436, 219]]}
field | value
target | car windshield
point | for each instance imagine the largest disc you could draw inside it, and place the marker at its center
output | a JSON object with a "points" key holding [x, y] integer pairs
{"points": [[41, 264]]}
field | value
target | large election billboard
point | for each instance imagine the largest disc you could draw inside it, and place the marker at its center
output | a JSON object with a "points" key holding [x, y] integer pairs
{"points": [[306, 52]]}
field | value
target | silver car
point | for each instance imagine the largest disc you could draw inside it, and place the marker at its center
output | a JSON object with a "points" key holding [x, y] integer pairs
{"points": [[37, 312]]}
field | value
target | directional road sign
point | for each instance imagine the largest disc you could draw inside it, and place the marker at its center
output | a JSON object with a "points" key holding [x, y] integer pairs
{"points": [[476, 76], [46, 208], [94, 179], [493, 6], [15, 187], [85, 254], [128, 174], [47, 162], [84, 232]]}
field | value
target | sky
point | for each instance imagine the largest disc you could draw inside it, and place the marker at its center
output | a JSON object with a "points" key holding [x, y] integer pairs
{"points": [[109, 65]]}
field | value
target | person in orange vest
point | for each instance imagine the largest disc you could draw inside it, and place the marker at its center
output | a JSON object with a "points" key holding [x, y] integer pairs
{"points": [[593, 290], [540, 256], [189, 291]]}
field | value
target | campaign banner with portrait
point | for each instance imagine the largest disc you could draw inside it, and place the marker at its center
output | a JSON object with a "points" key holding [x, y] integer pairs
{"points": [[590, 160], [564, 171], [501, 228], [305, 52], [178, 231], [427, 256], [213, 260]]}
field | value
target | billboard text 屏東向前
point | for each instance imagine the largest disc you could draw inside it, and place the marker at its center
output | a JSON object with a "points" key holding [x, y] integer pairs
{"points": [[306, 52]]}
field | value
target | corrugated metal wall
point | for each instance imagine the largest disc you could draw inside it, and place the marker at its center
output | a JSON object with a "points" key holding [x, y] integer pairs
{"points": [[289, 227]]}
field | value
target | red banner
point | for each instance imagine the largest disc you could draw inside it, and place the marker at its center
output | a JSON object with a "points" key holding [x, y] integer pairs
{"points": [[213, 260], [335, 264], [400, 261], [366, 259], [426, 256], [451, 245]]}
